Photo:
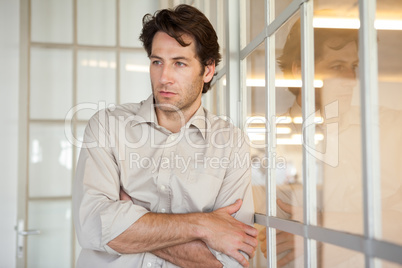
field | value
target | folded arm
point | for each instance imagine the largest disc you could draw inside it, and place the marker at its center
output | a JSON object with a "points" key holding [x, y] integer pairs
{"points": [[191, 254], [218, 229]]}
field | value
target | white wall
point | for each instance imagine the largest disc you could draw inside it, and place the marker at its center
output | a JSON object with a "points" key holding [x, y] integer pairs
{"points": [[9, 60]]}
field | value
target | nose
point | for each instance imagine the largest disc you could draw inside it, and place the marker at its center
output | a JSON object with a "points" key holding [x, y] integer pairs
{"points": [[166, 75], [349, 77], [350, 73]]}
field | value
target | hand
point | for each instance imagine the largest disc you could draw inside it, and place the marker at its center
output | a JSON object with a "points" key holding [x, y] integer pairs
{"points": [[230, 236], [285, 242]]}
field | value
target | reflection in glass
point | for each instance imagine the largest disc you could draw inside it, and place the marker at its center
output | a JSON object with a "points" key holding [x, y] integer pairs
{"points": [[52, 21], [96, 81], [289, 149], [96, 22], [339, 153], [390, 121], [51, 83], [345, 257], [255, 19], [255, 16], [387, 264], [255, 125], [50, 161], [290, 250], [52, 247], [134, 75]]}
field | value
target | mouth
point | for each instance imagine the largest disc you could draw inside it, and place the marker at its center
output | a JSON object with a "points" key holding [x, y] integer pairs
{"points": [[166, 93]]}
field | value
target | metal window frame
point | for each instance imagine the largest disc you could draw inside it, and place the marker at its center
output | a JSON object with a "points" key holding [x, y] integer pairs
{"points": [[367, 244]]}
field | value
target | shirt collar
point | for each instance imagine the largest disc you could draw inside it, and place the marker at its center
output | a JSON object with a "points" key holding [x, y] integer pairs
{"points": [[146, 114], [200, 121]]}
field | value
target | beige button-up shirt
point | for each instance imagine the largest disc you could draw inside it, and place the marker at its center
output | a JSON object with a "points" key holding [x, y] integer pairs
{"points": [[204, 167]]}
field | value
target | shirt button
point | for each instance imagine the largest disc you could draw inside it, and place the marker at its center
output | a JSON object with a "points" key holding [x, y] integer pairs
{"points": [[163, 188], [172, 137], [163, 210], [149, 264]]}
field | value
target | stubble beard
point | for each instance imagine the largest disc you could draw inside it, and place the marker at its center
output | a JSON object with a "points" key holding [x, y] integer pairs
{"points": [[177, 108]]}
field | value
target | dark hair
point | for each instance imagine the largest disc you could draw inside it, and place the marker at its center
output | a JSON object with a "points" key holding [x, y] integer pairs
{"points": [[184, 19], [292, 48]]}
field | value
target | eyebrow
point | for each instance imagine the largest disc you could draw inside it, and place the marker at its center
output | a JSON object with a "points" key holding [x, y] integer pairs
{"points": [[174, 58]]}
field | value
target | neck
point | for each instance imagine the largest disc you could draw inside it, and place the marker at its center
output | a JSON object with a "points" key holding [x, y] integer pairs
{"points": [[174, 120]]}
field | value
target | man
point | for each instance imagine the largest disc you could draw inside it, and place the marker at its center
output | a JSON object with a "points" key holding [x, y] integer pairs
{"points": [[336, 60], [340, 186], [164, 183]]}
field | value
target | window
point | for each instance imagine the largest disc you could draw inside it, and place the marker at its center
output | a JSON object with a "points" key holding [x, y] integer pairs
{"points": [[316, 89]]}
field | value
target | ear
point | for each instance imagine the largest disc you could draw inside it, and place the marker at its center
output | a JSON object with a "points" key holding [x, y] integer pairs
{"points": [[209, 72]]}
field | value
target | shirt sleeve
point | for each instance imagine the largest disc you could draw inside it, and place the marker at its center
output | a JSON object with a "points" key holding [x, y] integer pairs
{"points": [[237, 185], [99, 215]]}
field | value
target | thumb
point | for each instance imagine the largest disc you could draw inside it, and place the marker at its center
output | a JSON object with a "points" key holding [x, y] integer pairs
{"points": [[234, 207], [284, 206]]}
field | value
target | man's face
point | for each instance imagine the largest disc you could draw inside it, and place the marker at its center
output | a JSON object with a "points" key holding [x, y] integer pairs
{"points": [[337, 70], [177, 76]]}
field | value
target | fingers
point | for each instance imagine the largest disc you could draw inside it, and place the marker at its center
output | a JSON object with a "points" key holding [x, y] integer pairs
{"points": [[286, 259], [284, 206], [234, 207], [251, 231], [240, 258], [252, 241], [289, 245], [264, 249], [262, 236], [249, 250], [282, 237]]}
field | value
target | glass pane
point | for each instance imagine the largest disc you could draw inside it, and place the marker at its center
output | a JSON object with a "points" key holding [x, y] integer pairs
{"points": [[221, 96], [260, 260], [131, 13], [255, 19], [221, 32], [52, 248], [255, 16], [51, 83], [336, 257], [135, 81], [390, 117], [255, 124], [96, 81], [386, 264], [280, 6], [96, 22], [289, 249], [52, 21], [338, 129], [214, 11], [289, 148], [50, 161]]}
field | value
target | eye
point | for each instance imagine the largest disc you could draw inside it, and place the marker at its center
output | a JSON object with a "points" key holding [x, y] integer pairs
{"points": [[337, 67], [180, 64], [156, 62]]}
